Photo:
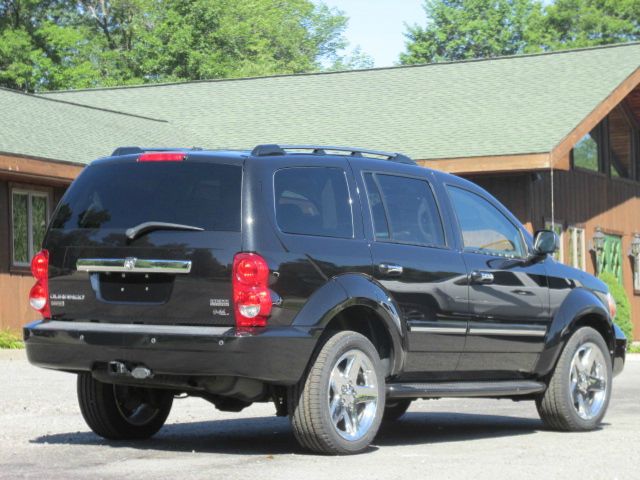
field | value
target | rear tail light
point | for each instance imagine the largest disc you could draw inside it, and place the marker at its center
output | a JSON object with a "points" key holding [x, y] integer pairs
{"points": [[162, 157], [251, 295], [39, 294]]}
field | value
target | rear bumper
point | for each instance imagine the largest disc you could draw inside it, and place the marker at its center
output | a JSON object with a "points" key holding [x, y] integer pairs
{"points": [[277, 355]]}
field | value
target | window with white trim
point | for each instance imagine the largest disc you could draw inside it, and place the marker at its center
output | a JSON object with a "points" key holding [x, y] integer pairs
{"points": [[577, 250], [557, 227], [636, 273], [29, 219]]}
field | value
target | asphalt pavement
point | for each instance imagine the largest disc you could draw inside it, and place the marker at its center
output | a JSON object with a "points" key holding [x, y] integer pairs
{"points": [[43, 436]]}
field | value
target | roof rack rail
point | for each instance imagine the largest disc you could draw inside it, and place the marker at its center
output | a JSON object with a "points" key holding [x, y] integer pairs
{"points": [[273, 149], [131, 150]]}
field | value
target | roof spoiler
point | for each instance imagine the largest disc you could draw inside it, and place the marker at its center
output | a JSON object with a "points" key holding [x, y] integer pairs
{"points": [[273, 149], [133, 150]]}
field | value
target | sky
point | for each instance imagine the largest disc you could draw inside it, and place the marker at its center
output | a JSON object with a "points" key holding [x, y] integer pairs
{"points": [[378, 26]]}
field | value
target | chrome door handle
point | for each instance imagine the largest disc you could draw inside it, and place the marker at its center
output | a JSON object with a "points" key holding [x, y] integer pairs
{"points": [[481, 277], [390, 269]]}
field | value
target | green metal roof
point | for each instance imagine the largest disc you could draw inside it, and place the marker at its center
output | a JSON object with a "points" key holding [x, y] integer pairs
{"points": [[53, 129], [503, 106]]}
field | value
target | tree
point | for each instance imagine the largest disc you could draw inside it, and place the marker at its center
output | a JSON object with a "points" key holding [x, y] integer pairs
{"points": [[58, 44], [462, 29], [585, 23]]}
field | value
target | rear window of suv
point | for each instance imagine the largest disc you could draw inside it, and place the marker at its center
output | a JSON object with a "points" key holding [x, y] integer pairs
{"points": [[120, 195]]}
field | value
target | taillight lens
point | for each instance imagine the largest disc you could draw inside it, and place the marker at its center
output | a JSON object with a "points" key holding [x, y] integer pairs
{"points": [[251, 295], [162, 157], [39, 294]]}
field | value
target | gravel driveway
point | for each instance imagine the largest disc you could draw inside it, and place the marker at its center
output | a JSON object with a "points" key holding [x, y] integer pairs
{"points": [[42, 435]]}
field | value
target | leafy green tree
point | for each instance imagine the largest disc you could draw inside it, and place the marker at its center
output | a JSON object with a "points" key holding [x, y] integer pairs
{"points": [[462, 29], [57, 44], [585, 23]]}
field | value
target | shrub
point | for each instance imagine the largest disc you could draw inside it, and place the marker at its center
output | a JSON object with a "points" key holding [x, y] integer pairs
{"points": [[9, 339], [623, 317]]}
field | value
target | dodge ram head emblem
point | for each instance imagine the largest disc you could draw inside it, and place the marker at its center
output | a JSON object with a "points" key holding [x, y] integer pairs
{"points": [[130, 263]]}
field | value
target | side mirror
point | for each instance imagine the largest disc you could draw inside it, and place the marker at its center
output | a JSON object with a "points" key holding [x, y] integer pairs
{"points": [[545, 243]]}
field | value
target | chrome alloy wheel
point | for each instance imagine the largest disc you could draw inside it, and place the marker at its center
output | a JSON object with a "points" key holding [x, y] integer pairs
{"points": [[589, 382], [353, 395]]}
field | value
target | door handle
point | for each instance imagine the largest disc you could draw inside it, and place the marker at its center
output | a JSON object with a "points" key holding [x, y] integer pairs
{"points": [[390, 269], [478, 276]]}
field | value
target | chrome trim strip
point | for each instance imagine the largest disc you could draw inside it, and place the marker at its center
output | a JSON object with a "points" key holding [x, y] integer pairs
{"points": [[510, 330], [131, 328], [450, 330], [133, 265]]}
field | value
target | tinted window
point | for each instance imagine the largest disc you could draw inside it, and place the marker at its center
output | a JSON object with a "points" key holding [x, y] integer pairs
{"points": [[404, 210], [380, 225], [484, 227], [313, 201], [122, 195]]}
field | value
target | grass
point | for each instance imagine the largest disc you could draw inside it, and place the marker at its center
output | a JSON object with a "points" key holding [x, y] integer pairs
{"points": [[634, 348], [10, 340]]}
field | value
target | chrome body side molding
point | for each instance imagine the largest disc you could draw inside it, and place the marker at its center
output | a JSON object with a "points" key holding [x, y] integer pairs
{"points": [[517, 330]]}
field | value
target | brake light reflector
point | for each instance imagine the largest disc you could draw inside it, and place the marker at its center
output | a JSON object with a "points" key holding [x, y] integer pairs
{"points": [[162, 157], [39, 294], [251, 295]]}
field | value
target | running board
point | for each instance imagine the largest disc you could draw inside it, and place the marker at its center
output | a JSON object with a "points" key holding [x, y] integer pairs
{"points": [[464, 389]]}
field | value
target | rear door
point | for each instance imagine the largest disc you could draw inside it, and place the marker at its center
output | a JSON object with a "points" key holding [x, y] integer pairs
{"points": [[315, 212], [508, 295], [415, 261], [162, 276]]}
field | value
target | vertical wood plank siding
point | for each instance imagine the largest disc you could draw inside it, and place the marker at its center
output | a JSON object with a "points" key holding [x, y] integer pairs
{"points": [[582, 198], [15, 284]]}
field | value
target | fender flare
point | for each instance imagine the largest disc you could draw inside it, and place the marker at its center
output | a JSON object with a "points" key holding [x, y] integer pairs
{"points": [[349, 290], [578, 304]]}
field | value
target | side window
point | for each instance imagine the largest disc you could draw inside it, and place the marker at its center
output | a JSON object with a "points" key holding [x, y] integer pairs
{"points": [[484, 228], [313, 201], [380, 225], [404, 210]]}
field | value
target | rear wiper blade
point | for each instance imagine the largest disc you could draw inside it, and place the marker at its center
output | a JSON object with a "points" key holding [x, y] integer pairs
{"points": [[145, 227]]}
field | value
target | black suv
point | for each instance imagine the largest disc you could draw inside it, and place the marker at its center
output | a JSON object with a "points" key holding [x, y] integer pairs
{"points": [[339, 283]]}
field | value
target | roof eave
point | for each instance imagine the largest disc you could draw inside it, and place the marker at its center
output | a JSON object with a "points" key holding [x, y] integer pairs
{"points": [[491, 164]]}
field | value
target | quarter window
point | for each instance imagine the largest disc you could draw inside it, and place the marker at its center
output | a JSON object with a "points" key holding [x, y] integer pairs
{"points": [[313, 201], [29, 218], [404, 210], [484, 228]]}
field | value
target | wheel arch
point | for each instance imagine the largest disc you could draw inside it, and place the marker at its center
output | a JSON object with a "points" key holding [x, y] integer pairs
{"points": [[362, 306], [581, 308]]}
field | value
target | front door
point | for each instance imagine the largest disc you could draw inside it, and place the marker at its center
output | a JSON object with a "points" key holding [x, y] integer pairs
{"points": [[508, 295], [414, 262]]}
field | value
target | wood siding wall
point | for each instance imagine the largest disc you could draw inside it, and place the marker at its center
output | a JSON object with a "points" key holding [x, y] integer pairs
{"points": [[15, 283], [583, 199]]}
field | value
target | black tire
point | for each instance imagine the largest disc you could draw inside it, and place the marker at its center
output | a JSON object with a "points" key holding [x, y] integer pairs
{"points": [[122, 413], [395, 409], [308, 402], [558, 406]]}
